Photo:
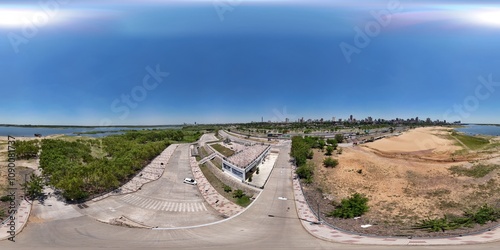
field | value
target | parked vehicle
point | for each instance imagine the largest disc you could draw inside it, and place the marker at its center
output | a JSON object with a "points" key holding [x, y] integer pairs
{"points": [[190, 181]]}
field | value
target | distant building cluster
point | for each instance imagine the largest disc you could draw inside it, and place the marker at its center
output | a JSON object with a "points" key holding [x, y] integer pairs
{"points": [[371, 120]]}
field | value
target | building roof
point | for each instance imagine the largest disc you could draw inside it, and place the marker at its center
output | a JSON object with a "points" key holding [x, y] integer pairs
{"points": [[244, 157]]}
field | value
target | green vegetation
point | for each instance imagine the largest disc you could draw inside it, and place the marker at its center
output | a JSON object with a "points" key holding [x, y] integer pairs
{"points": [[241, 198], [223, 150], [71, 167], [6, 198], [329, 150], [354, 206], [480, 216], [222, 188], [27, 149], [339, 138], [476, 171], [306, 172], [329, 162], [301, 148], [34, 187], [332, 143], [472, 142]]}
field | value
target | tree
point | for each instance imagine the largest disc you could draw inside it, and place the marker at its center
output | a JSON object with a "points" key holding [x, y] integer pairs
{"points": [[330, 162], [321, 143], [329, 150], [354, 206], [34, 187], [339, 138], [306, 172]]}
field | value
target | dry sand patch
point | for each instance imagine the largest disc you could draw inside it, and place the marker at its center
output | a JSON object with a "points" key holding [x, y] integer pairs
{"points": [[404, 190], [419, 139]]}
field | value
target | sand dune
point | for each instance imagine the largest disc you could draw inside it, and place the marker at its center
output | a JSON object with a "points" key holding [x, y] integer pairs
{"points": [[419, 139]]}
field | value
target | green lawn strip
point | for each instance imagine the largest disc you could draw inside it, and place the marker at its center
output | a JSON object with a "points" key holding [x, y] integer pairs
{"points": [[223, 150], [472, 142]]}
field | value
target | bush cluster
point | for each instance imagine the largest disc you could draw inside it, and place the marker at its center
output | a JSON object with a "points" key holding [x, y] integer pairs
{"points": [[354, 206]]}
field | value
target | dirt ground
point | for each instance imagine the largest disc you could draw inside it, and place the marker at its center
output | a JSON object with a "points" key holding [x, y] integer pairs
{"points": [[406, 179]]}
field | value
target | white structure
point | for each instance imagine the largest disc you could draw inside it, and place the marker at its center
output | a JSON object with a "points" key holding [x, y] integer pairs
{"points": [[245, 160]]}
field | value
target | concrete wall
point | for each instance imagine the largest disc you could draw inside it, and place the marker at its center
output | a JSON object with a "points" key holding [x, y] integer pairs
{"points": [[231, 181]]}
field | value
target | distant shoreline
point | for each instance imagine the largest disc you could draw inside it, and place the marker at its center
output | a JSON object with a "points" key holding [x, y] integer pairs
{"points": [[83, 126]]}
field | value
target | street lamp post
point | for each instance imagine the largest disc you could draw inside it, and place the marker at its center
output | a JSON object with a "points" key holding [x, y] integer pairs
{"points": [[319, 216]]}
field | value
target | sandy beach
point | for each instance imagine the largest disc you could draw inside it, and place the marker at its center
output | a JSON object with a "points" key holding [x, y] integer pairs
{"points": [[419, 139]]}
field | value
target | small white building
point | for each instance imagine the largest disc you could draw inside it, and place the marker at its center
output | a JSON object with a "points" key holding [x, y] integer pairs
{"points": [[239, 164]]}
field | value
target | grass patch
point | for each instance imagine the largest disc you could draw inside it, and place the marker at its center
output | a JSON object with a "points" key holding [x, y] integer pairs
{"points": [[221, 188], [477, 171], [223, 150], [243, 201], [471, 142], [481, 216]]}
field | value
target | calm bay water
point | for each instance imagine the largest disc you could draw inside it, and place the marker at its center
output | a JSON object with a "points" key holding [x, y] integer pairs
{"points": [[31, 131], [480, 129]]}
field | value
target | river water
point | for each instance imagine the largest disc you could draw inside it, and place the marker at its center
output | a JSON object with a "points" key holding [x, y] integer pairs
{"points": [[480, 130]]}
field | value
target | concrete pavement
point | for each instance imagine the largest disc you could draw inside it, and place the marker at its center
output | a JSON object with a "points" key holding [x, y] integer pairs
{"points": [[20, 220]]}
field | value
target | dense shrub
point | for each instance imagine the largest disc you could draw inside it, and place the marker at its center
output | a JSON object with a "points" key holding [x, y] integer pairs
{"points": [[329, 162], [78, 171], [227, 189], [354, 206], [306, 172]]}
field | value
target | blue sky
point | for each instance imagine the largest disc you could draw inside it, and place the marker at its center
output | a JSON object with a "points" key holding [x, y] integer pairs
{"points": [[84, 62]]}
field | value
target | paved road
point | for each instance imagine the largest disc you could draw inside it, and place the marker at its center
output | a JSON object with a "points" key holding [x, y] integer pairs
{"points": [[253, 229], [166, 202]]}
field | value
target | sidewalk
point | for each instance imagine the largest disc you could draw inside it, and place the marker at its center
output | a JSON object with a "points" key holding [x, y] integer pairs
{"points": [[327, 233], [211, 196], [21, 218]]}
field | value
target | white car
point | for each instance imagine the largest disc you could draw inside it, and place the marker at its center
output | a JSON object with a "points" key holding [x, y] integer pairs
{"points": [[190, 181]]}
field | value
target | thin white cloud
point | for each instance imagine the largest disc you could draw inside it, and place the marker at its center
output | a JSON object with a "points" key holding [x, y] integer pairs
{"points": [[38, 16]]}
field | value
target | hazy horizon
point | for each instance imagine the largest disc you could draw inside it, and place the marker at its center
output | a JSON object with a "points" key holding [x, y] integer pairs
{"points": [[94, 63]]}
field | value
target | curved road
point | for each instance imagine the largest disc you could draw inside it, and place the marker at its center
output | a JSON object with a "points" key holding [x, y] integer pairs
{"points": [[253, 229]]}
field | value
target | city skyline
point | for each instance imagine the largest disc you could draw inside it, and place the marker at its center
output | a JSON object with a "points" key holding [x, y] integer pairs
{"points": [[149, 63]]}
